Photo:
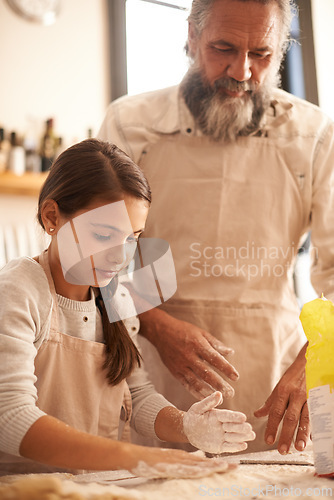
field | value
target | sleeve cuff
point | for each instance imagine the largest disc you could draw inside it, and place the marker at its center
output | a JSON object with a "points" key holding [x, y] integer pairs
{"points": [[14, 426], [143, 419]]}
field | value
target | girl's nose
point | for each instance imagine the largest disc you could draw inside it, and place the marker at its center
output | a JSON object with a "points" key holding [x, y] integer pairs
{"points": [[117, 255]]}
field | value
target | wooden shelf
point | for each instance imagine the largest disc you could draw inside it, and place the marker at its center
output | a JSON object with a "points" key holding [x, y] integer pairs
{"points": [[28, 184]]}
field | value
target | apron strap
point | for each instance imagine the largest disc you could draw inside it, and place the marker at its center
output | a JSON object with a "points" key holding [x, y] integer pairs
{"points": [[44, 262]]}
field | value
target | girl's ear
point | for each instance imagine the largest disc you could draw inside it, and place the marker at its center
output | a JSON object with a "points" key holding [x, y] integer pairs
{"points": [[50, 216]]}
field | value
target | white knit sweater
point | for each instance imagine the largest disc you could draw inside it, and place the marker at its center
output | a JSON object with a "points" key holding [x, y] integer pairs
{"points": [[25, 314]]}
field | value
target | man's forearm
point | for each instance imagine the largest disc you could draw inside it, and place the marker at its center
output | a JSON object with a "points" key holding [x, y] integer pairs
{"points": [[301, 355], [151, 322]]}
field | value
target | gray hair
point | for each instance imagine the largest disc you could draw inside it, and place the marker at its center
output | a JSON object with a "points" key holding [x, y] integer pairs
{"points": [[200, 11]]}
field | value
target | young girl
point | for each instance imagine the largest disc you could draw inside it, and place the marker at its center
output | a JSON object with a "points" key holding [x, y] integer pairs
{"points": [[70, 379]]}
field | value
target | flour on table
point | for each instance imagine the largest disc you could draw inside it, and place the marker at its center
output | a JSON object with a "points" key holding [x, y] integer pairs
{"points": [[182, 471]]}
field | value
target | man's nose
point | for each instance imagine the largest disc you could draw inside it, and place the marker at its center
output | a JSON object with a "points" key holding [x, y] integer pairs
{"points": [[240, 68]]}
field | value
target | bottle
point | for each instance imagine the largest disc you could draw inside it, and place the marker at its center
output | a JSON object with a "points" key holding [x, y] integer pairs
{"points": [[60, 146], [4, 151], [17, 156], [317, 318], [48, 146], [33, 159]]}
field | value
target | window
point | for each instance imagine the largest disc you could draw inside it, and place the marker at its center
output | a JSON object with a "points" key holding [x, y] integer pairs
{"points": [[156, 33], [299, 71], [147, 39]]}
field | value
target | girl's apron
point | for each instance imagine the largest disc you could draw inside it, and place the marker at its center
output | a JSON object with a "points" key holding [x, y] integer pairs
{"points": [[227, 214], [72, 386]]}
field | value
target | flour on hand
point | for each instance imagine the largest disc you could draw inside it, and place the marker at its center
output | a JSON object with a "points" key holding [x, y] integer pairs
{"points": [[216, 431]]}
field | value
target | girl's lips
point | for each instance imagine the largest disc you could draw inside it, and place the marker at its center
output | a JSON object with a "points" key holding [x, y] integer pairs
{"points": [[106, 273]]}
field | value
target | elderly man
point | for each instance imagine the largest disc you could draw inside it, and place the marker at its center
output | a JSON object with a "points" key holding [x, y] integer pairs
{"points": [[239, 171]]}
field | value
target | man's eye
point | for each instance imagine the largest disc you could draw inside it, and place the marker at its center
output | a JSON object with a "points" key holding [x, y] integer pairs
{"points": [[223, 51], [260, 55], [101, 237]]}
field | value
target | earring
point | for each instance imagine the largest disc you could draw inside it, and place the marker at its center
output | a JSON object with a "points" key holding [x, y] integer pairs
{"points": [[51, 229]]}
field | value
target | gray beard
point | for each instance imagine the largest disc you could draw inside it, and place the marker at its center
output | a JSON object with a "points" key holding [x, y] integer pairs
{"points": [[225, 118]]}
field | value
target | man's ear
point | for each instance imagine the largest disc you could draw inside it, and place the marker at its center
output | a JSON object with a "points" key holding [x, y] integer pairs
{"points": [[50, 216], [192, 40]]}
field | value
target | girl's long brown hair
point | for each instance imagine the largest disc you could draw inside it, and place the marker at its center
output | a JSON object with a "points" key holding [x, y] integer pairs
{"points": [[97, 170]]}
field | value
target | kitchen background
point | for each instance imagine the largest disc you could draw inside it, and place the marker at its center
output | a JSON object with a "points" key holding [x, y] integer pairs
{"points": [[70, 70]]}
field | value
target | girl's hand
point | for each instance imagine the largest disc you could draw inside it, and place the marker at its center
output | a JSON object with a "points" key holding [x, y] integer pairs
{"points": [[171, 463], [216, 431]]}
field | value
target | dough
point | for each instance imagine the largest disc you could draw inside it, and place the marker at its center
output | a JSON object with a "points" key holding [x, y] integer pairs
{"points": [[43, 487]]}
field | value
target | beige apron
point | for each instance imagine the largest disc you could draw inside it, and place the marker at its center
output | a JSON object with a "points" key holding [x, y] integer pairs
{"points": [[72, 386], [227, 217]]}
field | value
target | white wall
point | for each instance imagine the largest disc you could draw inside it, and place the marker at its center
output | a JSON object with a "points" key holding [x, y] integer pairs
{"points": [[58, 71], [323, 23], [62, 70]]}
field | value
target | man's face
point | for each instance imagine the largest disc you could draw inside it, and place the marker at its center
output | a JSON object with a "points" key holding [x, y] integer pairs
{"points": [[240, 41], [235, 67]]}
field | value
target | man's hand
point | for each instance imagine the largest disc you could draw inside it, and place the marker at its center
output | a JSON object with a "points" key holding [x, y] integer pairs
{"points": [[193, 356], [288, 402]]}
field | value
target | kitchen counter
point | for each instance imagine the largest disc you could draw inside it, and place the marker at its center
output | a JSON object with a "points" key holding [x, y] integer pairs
{"points": [[28, 184], [258, 475]]}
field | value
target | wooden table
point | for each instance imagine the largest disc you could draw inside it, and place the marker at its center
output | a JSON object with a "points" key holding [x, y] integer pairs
{"points": [[249, 480]]}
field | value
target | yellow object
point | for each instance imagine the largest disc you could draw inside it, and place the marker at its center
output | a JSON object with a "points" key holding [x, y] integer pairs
{"points": [[317, 318]]}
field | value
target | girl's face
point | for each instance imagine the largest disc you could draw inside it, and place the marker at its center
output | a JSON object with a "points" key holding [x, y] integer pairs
{"points": [[99, 241]]}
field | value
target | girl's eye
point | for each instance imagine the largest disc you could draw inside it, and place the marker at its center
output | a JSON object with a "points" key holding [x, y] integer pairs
{"points": [[101, 237], [132, 239], [109, 237]]}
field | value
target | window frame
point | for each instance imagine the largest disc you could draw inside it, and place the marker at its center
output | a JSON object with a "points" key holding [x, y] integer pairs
{"points": [[117, 48]]}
